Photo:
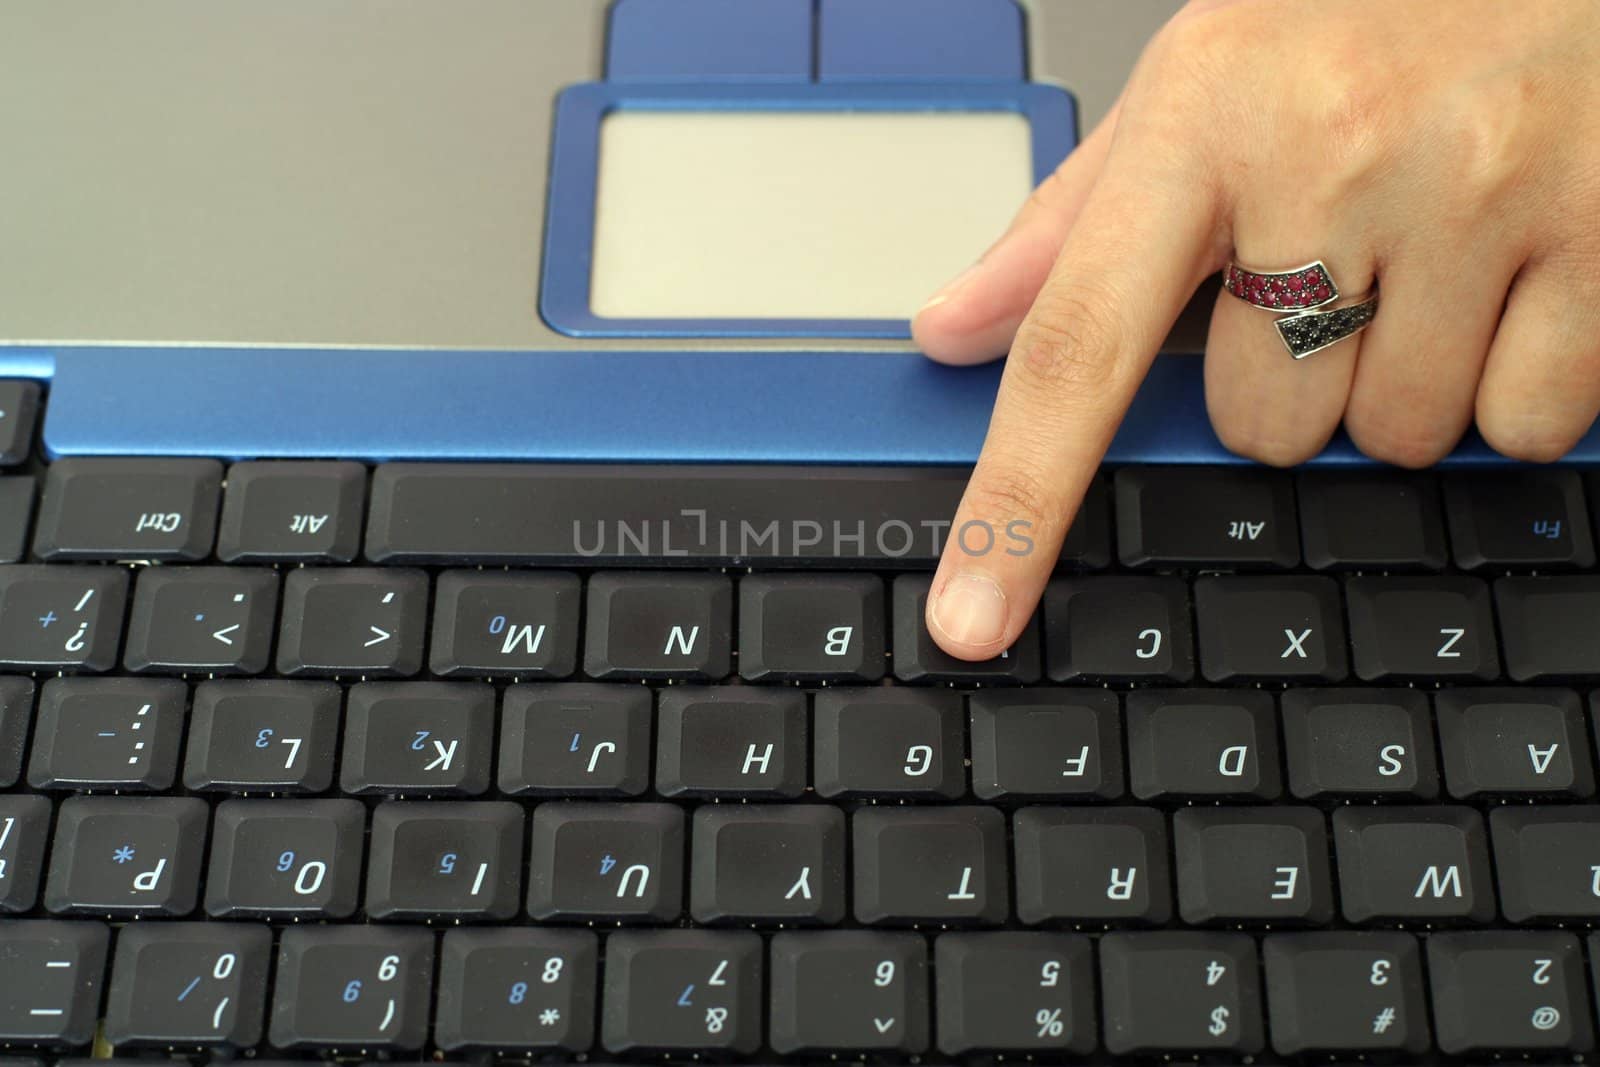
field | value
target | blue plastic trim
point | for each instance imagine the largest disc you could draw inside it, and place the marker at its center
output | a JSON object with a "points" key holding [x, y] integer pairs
{"points": [[711, 40], [569, 222], [920, 40], [602, 406]]}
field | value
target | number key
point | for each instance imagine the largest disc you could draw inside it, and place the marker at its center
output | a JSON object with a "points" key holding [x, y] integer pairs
{"points": [[352, 986], [1021, 992], [189, 983], [517, 988], [849, 989], [682, 989]]}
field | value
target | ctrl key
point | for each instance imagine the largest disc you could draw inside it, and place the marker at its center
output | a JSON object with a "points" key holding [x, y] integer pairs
{"points": [[849, 990], [50, 976]]}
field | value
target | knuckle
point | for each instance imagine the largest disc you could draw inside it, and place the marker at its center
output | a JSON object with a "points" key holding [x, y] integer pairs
{"points": [[1010, 491], [1525, 436], [1395, 442], [1275, 448], [1071, 346]]}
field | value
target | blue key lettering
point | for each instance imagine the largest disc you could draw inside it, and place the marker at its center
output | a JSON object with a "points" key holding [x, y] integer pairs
{"points": [[46, 619], [1549, 529], [352, 991], [497, 624], [447, 863], [286, 861], [188, 989], [422, 735], [574, 747], [519, 993], [261, 738], [123, 855], [683, 998], [606, 863]]}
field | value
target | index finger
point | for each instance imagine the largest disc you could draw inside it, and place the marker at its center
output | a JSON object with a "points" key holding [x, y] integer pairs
{"points": [[1146, 237]]}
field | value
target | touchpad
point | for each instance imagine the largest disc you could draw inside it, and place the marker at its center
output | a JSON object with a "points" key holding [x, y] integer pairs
{"points": [[797, 215]]}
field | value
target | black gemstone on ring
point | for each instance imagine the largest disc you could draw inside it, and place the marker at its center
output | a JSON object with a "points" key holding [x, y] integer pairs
{"points": [[1307, 332]]}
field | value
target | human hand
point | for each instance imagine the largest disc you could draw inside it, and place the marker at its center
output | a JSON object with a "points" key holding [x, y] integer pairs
{"points": [[1448, 153]]}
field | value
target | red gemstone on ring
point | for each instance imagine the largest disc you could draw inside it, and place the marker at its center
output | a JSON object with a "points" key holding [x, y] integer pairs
{"points": [[1297, 283]]}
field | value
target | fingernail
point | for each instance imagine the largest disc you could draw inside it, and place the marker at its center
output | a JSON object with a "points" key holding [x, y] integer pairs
{"points": [[950, 289], [971, 610]]}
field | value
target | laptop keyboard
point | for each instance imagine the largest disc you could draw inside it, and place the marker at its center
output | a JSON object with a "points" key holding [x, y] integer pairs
{"points": [[450, 761]]}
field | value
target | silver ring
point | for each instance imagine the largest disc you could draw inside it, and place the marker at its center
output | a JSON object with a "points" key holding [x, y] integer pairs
{"points": [[1302, 295]]}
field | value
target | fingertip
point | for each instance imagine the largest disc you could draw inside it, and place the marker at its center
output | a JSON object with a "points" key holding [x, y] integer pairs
{"points": [[968, 616]]}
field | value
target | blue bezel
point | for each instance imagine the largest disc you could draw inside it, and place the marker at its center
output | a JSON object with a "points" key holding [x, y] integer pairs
{"points": [[574, 166]]}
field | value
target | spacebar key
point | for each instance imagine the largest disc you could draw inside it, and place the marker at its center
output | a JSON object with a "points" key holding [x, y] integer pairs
{"points": [[572, 514]]}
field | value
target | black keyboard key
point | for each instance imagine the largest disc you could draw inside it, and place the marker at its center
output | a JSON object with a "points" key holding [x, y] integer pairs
{"points": [[606, 861], [811, 628], [641, 624], [16, 511], [1092, 865], [24, 831], [1121, 628], [1225, 516], [934, 864], [1046, 742], [351, 621], [918, 659], [262, 736], [1546, 626], [1526, 518], [16, 712], [848, 990], [1345, 992], [352, 986], [1371, 520], [189, 984], [120, 733], [19, 408], [67, 618], [445, 860], [774, 863], [517, 988], [889, 741], [1421, 629], [1547, 861], [731, 741], [575, 740], [1199, 742], [582, 514], [286, 859], [681, 990], [212, 620], [158, 509], [1182, 990], [127, 856], [433, 738], [1252, 865], [1270, 628], [1530, 741], [1359, 742], [1512, 991], [50, 979], [291, 511], [523, 625], [1014, 992], [1426, 863]]}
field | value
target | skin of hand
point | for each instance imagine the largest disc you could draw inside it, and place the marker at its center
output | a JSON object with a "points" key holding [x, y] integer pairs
{"points": [[1448, 152]]}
